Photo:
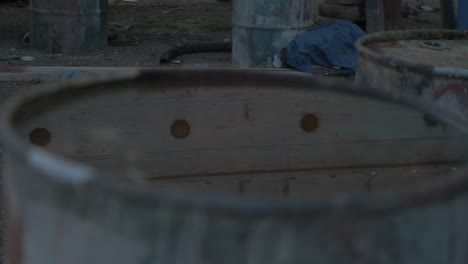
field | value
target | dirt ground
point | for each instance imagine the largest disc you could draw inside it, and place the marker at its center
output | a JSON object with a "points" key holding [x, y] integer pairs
{"points": [[141, 33]]}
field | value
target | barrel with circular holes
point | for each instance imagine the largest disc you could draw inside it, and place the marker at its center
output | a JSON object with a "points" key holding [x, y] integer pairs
{"points": [[261, 29], [70, 27], [232, 166], [430, 65]]}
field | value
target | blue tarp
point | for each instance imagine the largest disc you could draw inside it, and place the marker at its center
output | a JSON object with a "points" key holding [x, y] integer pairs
{"points": [[462, 19], [330, 45]]}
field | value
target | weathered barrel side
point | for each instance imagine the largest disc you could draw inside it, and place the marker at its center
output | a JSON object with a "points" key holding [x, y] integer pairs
{"points": [[232, 166], [86, 224], [70, 27], [263, 28], [401, 68]]}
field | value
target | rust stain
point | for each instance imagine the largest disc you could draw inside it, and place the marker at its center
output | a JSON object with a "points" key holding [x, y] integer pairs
{"points": [[241, 185], [247, 114], [14, 234], [59, 251], [286, 187], [380, 47], [369, 183], [224, 127], [13, 69], [348, 245], [458, 89], [393, 16], [354, 253], [308, 7]]}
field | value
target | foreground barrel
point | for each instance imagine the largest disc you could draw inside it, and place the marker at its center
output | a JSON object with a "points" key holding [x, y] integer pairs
{"points": [[70, 27], [430, 65], [232, 166], [261, 29]]}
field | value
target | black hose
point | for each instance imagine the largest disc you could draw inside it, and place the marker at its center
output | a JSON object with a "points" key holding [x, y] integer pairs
{"points": [[194, 48]]}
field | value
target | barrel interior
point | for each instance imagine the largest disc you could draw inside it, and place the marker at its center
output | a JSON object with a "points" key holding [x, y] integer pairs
{"points": [[442, 48], [265, 138]]}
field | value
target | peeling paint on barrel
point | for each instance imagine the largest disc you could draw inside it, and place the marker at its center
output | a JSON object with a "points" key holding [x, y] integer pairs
{"points": [[454, 98], [106, 220], [14, 221], [403, 62], [261, 28], [70, 27]]}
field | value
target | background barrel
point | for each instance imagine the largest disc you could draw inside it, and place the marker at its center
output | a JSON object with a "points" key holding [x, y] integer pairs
{"points": [[428, 65], [261, 28], [232, 166], [70, 27]]}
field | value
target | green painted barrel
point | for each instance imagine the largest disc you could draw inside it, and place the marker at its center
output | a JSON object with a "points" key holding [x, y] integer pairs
{"points": [[69, 27], [262, 28]]}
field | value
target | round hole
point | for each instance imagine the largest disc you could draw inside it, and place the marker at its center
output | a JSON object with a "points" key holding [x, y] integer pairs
{"points": [[40, 137], [180, 129], [309, 123]]}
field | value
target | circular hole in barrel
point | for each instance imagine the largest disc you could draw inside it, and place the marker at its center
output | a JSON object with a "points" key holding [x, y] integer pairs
{"points": [[309, 123], [40, 136], [180, 129]]}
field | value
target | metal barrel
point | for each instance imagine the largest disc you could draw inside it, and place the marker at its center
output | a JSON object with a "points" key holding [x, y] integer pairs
{"points": [[429, 65], [232, 166], [69, 27], [263, 28]]}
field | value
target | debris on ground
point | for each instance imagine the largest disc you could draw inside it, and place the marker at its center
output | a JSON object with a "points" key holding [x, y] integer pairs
{"points": [[135, 32], [27, 58], [142, 32], [119, 27], [17, 58]]}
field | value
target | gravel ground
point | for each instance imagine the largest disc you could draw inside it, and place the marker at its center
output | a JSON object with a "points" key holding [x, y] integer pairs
{"points": [[140, 34]]}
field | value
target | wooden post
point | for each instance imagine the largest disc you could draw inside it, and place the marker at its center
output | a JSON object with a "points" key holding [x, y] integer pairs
{"points": [[383, 15], [392, 14], [373, 14], [448, 16]]}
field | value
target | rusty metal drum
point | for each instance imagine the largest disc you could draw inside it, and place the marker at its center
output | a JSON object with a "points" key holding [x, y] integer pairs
{"points": [[431, 65], [232, 166], [69, 27], [262, 28]]}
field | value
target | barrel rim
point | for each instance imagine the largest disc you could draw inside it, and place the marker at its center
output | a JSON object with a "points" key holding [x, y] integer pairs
{"points": [[401, 65], [359, 204]]}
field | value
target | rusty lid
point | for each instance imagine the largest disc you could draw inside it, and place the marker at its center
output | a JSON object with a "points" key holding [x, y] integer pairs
{"points": [[418, 50]]}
